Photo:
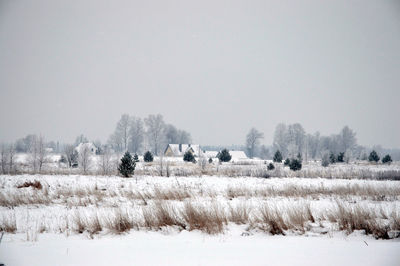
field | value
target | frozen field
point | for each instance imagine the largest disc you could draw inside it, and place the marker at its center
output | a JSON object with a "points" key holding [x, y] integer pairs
{"points": [[209, 220]]}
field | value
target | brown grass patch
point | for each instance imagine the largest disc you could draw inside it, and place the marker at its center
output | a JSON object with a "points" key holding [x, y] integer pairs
{"points": [[120, 222], [210, 220], [35, 184], [239, 214], [8, 224]]}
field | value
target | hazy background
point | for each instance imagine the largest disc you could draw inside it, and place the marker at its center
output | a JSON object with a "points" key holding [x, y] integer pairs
{"points": [[213, 68]]}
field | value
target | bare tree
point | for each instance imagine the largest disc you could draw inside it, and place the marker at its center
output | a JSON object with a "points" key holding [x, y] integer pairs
{"points": [[171, 134], [120, 138], [123, 129], [184, 137], [105, 162], [11, 155], [313, 144], [161, 165], [115, 142], [253, 141], [70, 154], [3, 158], [202, 162], [296, 139], [33, 153], [155, 130], [347, 139], [280, 142], [176, 136], [85, 158], [264, 152], [81, 139], [136, 135], [42, 152]]}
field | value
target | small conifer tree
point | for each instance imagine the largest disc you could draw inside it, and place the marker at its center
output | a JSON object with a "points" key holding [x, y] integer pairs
{"points": [[332, 158], [270, 166], [295, 164], [387, 159], [148, 157], [127, 165], [210, 160], [188, 157], [136, 158], [224, 156], [325, 160], [340, 157], [373, 157], [278, 157], [286, 162]]}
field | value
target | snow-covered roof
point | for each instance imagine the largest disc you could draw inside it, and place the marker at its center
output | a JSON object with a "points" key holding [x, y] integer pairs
{"points": [[238, 155], [180, 149], [210, 154], [90, 145]]}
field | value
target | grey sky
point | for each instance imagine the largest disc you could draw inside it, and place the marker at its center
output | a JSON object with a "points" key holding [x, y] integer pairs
{"points": [[214, 68]]}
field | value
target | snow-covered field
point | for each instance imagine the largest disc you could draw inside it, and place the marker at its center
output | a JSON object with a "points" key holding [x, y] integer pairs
{"points": [[175, 166], [208, 220]]}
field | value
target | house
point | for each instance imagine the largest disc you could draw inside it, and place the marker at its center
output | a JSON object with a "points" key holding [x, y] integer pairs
{"points": [[174, 150], [92, 148], [210, 154], [238, 155]]}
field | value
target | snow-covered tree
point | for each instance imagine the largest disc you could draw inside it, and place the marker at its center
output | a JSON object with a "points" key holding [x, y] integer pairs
{"points": [[155, 131], [136, 135], [253, 141]]}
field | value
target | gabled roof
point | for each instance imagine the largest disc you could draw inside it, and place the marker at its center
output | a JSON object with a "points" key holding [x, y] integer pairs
{"points": [[210, 154], [90, 145], [184, 147], [238, 155]]}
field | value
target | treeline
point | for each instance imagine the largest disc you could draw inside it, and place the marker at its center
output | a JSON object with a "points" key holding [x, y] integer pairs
{"points": [[138, 135], [152, 133], [292, 140]]}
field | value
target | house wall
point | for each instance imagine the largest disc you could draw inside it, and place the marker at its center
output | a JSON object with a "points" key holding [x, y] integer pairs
{"points": [[169, 152]]}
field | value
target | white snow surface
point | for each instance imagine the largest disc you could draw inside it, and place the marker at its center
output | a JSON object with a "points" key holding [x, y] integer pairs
{"points": [[194, 248], [235, 246]]}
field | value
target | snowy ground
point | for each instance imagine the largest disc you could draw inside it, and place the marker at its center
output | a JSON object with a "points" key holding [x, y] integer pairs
{"points": [[175, 166], [194, 248], [150, 220]]}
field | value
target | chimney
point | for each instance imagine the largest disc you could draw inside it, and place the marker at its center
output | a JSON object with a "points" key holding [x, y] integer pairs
{"points": [[180, 147]]}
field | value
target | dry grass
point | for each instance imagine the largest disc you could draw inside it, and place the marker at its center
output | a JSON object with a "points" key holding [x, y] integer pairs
{"points": [[212, 218], [35, 184], [59, 193], [352, 218], [8, 224], [380, 193], [270, 220], [13, 199], [209, 220], [160, 215], [172, 193], [298, 217], [120, 222], [239, 214]]}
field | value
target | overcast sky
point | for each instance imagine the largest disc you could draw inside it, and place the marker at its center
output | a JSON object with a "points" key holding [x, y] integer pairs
{"points": [[213, 68]]}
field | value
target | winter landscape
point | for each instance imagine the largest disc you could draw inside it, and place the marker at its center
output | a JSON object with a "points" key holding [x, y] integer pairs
{"points": [[199, 133]]}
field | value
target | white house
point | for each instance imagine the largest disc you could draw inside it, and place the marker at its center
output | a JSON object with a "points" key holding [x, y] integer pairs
{"points": [[91, 146], [174, 150], [210, 154], [238, 155]]}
